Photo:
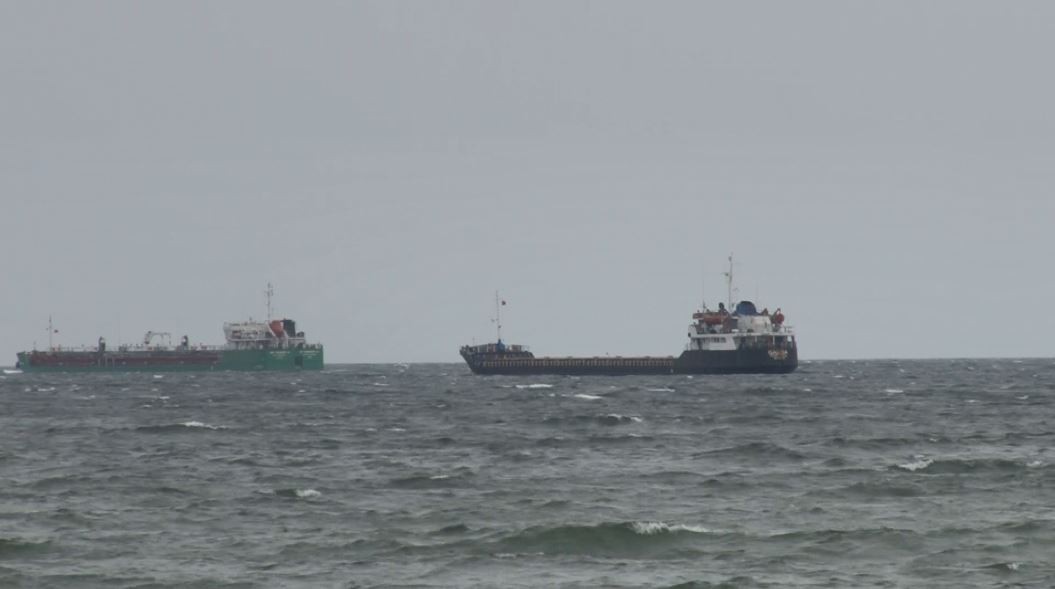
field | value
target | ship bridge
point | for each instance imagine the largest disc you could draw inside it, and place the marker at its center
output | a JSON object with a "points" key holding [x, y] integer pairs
{"points": [[745, 327], [278, 333]]}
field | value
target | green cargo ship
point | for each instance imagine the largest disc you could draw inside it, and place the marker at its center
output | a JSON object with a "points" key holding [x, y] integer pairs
{"points": [[251, 345]]}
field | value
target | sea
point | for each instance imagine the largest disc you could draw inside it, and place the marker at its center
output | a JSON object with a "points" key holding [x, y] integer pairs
{"points": [[935, 473]]}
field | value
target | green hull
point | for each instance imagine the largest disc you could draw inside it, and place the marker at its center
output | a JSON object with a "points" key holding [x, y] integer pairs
{"points": [[308, 358]]}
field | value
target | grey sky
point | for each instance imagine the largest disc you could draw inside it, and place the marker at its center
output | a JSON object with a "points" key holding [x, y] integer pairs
{"points": [[882, 171]]}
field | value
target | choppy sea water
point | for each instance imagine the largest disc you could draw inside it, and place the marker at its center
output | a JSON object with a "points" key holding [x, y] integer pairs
{"points": [[844, 474]]}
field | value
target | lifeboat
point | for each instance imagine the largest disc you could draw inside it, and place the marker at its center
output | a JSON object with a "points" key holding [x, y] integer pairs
{"points": [[708, 317]]}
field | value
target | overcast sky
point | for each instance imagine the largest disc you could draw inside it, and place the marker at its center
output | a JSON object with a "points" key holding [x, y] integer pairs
{"points": [[882, 171]]}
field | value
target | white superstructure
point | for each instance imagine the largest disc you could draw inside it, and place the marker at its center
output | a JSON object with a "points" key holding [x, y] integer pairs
{"points": [[278, 333], [722, 330], [742, 326]]}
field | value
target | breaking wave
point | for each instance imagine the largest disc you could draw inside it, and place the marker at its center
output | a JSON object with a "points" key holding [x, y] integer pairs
{"points": [[298, 493], [180, 427], [918, 464], [963, 465], [623, 539], [609, 419], [617, 419], [434, 481]]}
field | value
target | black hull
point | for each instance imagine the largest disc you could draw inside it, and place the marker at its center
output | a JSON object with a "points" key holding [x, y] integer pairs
{"points": [[743, 361]]}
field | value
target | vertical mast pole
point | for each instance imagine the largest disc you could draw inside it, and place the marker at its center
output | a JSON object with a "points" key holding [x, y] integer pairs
{"points": [[729, 282], [703, 288], [269, 292], [498, 316], [51, 347]]}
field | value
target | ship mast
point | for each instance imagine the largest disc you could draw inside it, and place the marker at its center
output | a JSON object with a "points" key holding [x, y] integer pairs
{"points": [[270, 292], [729, 282], [498, 316], [703, 288], [51, 347]]}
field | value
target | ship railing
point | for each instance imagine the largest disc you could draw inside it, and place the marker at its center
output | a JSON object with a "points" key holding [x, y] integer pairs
{"points": [[192, 348], [241, 345], [142, 348], [69, 349], [765, 340], [119, 348], [775, 330], [493, 348]]}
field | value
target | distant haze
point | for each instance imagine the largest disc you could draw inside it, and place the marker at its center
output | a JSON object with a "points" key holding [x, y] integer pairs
{"points": [[884, 172]]}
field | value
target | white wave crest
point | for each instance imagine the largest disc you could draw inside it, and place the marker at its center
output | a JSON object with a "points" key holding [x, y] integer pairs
{"points": [[507, 555], [661, 390], [307, 493], [921, 462], [651, 528], [534, 386], [199, 424], [893, 391], [585, 396], [618, 417]]}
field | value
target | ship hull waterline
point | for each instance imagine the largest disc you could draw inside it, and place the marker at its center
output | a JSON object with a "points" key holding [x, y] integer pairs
{"points": [[752, 361], [172, 361]]}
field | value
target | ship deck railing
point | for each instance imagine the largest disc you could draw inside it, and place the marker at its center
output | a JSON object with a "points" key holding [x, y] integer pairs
{"points": [[493, 349], [781, 330], [193, 348]]}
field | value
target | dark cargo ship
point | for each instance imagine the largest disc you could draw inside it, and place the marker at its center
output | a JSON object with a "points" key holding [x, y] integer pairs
{"points": [[251, 345], [741, 341]]}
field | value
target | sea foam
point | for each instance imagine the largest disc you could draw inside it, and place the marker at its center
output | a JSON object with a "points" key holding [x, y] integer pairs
{"points": [[199, 424], [921, 462], [653, 528]]}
